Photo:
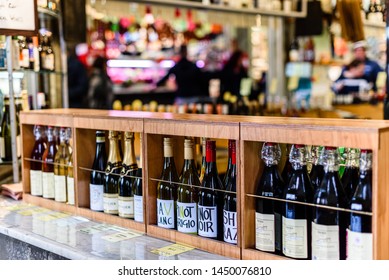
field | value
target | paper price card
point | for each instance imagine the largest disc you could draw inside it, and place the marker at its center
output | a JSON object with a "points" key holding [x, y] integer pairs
{"points": [[19, 207], [53, 216], [95, 229], [116, 237], [172, 250], [32, 211]]}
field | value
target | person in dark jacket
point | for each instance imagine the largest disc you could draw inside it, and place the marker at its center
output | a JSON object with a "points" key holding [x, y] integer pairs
{"points": [[232, 74], [77, 81]]}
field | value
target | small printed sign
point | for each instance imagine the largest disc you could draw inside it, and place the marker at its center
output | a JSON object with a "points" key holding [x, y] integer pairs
{"points": [[172, 250], [120, 236]]}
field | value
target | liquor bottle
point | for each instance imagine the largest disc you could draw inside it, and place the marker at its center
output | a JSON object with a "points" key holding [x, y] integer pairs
{"points": [[317, 171], [203, 159], [166, 188], [210, 205], [36, 163], [229, 163], [137, 189], [287, 170], [296, 222], [329, 225], [230, 221], [359, 233], [61, 161], [30, 46], [24, 53], [97, 176], [187, 192], [126, 195], [48, 57], [112, 175], [350, 176], [268, 213], [48, 165]]}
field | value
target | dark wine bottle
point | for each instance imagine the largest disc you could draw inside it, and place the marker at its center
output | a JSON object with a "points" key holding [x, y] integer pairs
{"points": [[203, 159], [329, 225], [296, 222], [48, 165], [229, 163], [112, 175], [97, 176], [350, 176], [187, 193], [359, 233], [210, 206], [317, 171], [137, 189], [287, 170], [36, 164], [126, 195], [230, 217], [268, 213], [167, 188]]}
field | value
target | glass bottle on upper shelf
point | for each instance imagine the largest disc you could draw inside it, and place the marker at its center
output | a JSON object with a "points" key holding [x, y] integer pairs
{"points": [[328, 224], [187, 192], [359, 233], [350, 176], [61, 162], [97, 176], [296, 221], [36, 163], [48, 164], [268, 213], [137, 189]]}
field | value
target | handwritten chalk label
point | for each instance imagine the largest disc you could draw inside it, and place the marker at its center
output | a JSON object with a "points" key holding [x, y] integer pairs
{"points": [[17, 15]]}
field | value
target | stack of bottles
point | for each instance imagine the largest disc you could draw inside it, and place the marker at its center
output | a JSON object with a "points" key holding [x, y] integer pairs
{"points": [[198, 202], [51, 164], [317, 215], [116, 181]]}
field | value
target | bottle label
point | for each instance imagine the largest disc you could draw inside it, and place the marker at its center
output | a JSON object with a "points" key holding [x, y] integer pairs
{"points": [[49, 62], [138, 208], [2, 147], [325, 242], [126, 206], [48, 184], [110, 201], [295, 238], [359, 245], [187, 217], [264, 232], [60, 188], [36, 182], [70, 183], [207, 221], [230, 228], [96, 197], [165, 210], [100, 139]]}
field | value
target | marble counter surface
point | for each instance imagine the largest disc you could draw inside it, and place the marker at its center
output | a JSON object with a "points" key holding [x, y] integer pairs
{"points": [[76, 237]]}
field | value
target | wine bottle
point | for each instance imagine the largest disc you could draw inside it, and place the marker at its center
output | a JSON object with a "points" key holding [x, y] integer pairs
{"points": [[287, 170], [112, 171], [203, 159], [126, 195], [5, 133], [48, 165], [97, 176], [70, 181], [359, 233], [36, 163], [187, 192], [317, 172], [137, 189], [350, 176], [268, 213], [230, 221], [49, 60], [296, 222], [210, 206], [61, 161], [166, 188], [229, 163], [329, 225]]}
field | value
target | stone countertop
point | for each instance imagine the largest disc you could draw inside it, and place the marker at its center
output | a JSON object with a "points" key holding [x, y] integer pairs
{"points": [[76, 237]]}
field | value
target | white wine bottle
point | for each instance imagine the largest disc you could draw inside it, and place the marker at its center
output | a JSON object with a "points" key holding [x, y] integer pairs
{"points": [[137, 189], [97, 176], [61, 162], [48, 165]]}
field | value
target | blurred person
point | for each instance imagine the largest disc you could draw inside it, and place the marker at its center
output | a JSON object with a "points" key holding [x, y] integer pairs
{"points": [[100, 94], [77, 80], [232, 74]]}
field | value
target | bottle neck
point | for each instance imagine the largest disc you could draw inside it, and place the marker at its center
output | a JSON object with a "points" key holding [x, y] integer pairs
{"points": [[114, 154], [210, 165], [129, 152]]}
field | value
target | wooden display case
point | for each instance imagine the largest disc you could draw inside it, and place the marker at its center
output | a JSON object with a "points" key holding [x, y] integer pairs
{"points": [[250, 132]]}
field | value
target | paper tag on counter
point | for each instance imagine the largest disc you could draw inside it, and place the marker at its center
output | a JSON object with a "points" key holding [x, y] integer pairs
{"points": [[19, 207], [95, 229], [116, 237], [53, 216], [293, 83], [172, 250]]}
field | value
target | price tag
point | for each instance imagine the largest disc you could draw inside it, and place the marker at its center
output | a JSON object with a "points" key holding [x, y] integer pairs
{"points": [[293, 83], [53, 216], [47, 218], [172, 250], [19, 207], [95, 229], [116, 237], [273, 86]]}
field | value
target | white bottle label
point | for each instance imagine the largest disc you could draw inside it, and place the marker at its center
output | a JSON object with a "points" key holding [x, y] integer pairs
{"points": [[60, 188], [18, 146], [295, 238], [96, 193], [48, 184], [126, 206], [138, 208], [70, 183], [325, 242], [49, 62], [36, 182], [165, 213], [2, 147], [187, 217], [230, 227], [110, 201], [359, 245], [207, 221], [264, 232]]}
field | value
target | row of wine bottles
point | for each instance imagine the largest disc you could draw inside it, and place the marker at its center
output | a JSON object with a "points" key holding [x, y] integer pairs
{"points": [[315, 215], [51, 165]]}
